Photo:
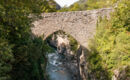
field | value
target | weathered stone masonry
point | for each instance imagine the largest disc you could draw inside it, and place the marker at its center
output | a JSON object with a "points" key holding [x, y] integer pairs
{"points": [[80, 24]]}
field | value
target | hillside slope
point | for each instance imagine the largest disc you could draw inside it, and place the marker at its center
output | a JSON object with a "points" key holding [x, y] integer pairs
{"points": [[89, 4]]}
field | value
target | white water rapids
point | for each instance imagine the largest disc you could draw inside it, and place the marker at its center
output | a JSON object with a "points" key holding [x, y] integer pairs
{"points": [[55, 67]]}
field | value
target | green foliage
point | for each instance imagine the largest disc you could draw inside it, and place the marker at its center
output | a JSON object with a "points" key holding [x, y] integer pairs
{"points": [[89, 5], [6, 59], [112, 39], [73, 43], [122, 18], [23, 60], [48, 6], [47, 48], [75, 7]]}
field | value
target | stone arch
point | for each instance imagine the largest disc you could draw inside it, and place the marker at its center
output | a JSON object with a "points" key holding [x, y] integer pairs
{"points": [[80, 24]]}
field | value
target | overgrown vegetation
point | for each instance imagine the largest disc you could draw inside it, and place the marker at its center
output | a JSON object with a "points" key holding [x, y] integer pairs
{"points": [[73, 43], [21, 55], [110, 49], [89, 5]]}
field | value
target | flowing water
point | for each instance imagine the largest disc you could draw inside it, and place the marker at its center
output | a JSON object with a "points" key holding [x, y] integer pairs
{"points": [[55, 68]]}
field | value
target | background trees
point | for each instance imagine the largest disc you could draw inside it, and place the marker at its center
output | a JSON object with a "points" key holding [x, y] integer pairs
{"points": [[89, 5], [112, 40]]}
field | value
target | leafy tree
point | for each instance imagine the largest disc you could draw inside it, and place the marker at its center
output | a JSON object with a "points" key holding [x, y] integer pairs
{"points": [[20, 54], [112, 39], [6, 59]]}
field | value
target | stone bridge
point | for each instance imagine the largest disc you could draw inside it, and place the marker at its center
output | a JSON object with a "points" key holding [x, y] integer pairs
{"points": [[80, 24]]}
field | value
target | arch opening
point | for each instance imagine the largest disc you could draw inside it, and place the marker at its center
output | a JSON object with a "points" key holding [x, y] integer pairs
{"points": [[53, 36], [63, 61]]}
